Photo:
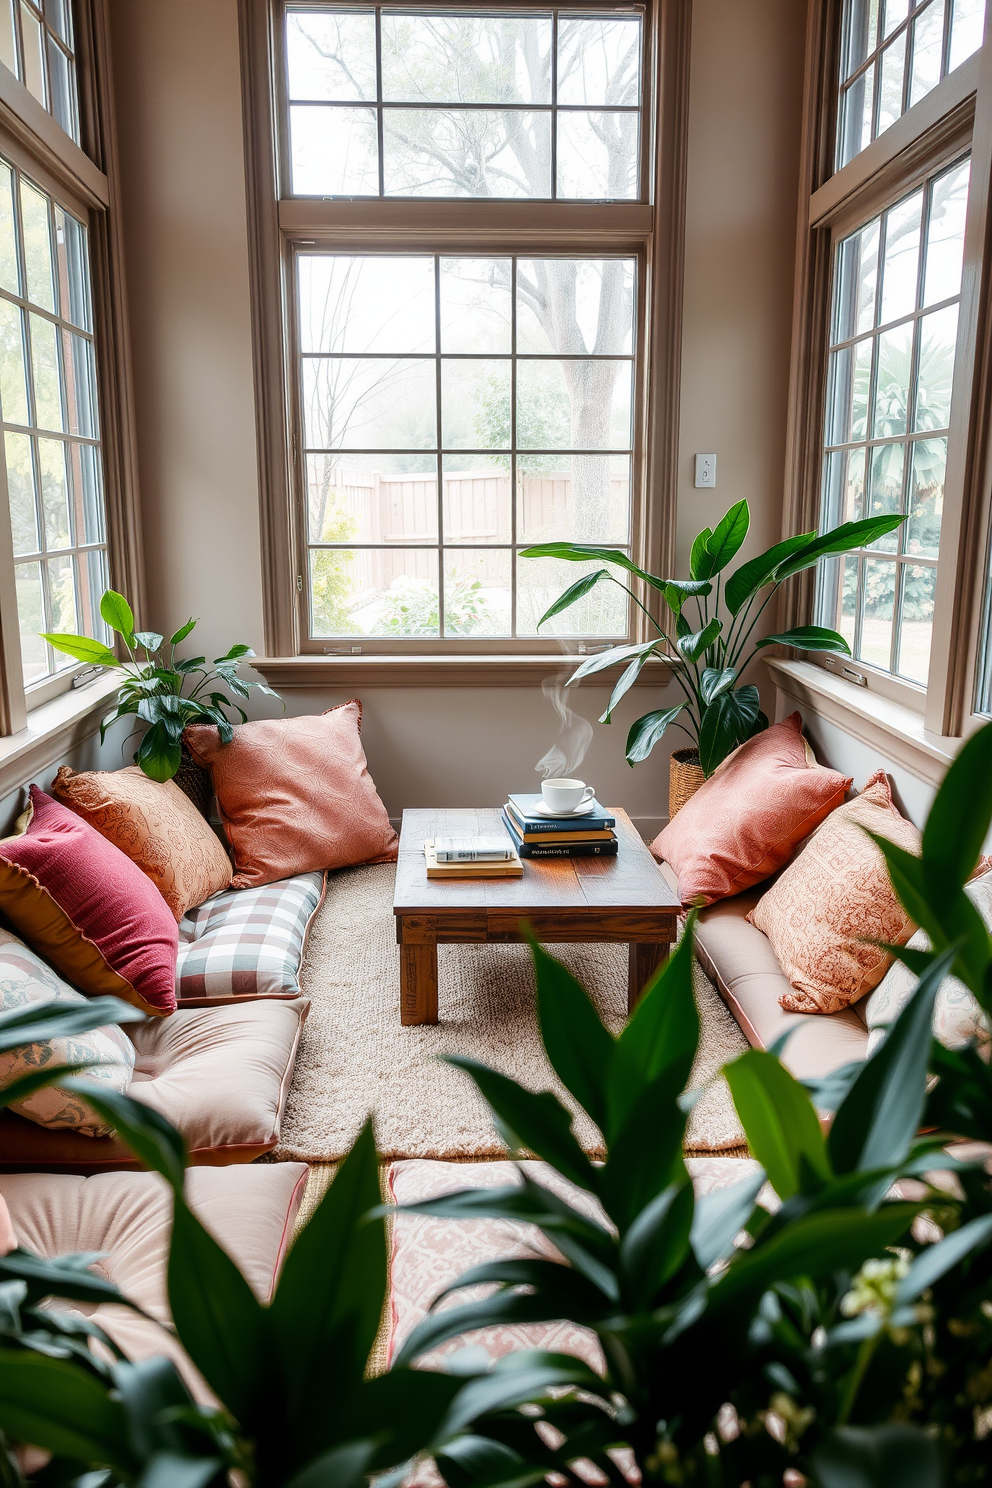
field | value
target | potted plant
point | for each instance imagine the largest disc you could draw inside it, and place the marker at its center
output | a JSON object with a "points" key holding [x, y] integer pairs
{"points": [[712, 620], [164, 693]]}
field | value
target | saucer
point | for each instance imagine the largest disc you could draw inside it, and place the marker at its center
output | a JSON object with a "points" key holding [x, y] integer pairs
{"points": [[541, 808]]}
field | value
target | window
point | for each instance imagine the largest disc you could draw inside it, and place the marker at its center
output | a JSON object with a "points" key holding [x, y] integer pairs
{"points": [[893, 53], [897, 285], [36, 44]]}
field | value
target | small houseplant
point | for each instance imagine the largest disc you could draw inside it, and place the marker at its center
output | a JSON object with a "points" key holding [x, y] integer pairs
{"points": [[712, 620], [154, 689]]}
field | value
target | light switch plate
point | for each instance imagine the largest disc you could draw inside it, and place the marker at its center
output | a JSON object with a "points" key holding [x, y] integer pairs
{"points": [[705, 470]]}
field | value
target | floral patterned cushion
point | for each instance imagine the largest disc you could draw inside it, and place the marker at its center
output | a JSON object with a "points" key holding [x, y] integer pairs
{"points": [[957, 1017], [247, 943], [24, 978]]}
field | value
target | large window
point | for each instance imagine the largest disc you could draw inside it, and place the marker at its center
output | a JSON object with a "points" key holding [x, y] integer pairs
{"points": [[37, 45]]}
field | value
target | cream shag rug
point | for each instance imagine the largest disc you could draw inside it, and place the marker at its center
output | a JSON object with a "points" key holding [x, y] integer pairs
{"points": [[356, 1057]]}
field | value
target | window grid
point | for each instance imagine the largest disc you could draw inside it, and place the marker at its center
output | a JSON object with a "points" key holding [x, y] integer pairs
{"points": [[553, 109], [443, 453], [36, 44]]}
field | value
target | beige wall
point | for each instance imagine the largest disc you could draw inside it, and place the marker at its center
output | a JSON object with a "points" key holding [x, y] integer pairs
{"points": [[179, 111]]}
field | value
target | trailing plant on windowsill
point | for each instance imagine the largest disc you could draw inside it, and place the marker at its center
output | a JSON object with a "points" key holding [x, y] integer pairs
{"points": [[712, 623], [153, 689]]}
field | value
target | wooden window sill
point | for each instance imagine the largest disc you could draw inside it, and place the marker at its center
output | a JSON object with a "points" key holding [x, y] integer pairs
{"points": [[53, 729], [434, 671], [893, 729]]}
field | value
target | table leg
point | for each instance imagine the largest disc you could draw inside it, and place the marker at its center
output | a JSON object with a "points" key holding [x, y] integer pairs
{"points": [[418, 970], [645, 958]]}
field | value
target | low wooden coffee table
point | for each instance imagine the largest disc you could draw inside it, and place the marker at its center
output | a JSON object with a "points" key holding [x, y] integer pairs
{"points": [[583, 900]]}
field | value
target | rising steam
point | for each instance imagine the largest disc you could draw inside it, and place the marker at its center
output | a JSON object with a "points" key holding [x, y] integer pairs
{"points": [[574, 734]]}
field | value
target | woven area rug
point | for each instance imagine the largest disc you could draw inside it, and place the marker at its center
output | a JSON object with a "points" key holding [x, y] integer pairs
{"points": [[356, 1057]]}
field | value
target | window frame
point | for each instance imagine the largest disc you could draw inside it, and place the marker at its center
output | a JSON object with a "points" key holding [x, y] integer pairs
{"points": [[85, 178], [280, 225], [954, 118]]}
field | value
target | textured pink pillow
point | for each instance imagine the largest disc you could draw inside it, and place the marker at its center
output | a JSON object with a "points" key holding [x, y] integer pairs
{"points": [[295, 795], [744, 822], [86, 908]]}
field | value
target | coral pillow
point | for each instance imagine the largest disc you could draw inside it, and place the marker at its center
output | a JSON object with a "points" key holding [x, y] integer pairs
{"points": [[295, 795], [835, 897], [8, 1240], [156, 825], [85, 907], [746, 820]]}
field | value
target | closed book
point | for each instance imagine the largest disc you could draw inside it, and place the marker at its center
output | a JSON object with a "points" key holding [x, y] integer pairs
{"points": [[508, 868], [593, 835], [472, 849], [522, 810], [577, 849]]}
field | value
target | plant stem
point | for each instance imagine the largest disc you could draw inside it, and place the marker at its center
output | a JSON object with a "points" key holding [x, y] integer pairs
{"points": [[658, 628], [744, 639], [865, 1352]]}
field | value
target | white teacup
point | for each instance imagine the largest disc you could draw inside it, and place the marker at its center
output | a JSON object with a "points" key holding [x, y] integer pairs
{"points": [[566, 795]]}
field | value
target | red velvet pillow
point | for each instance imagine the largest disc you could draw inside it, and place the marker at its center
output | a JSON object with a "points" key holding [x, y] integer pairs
{"points": [[79, 902], [744, 823]]}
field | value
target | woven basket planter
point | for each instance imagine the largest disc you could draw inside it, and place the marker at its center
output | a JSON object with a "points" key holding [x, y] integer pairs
{"points": [[194, 782], [684, 778]]}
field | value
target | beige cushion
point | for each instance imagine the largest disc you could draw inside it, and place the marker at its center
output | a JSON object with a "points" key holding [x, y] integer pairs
{"points": [[740, 960], [128, 1216], [221, 1075]]}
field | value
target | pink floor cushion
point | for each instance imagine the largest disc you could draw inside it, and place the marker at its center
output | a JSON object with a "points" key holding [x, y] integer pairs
{"points": [[247, 943], [429, 1254]]}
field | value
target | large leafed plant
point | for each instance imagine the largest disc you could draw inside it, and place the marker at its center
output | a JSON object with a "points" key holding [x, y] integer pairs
{"points": [[711, 621]]}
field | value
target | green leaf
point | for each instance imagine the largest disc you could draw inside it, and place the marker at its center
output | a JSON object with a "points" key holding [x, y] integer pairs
{"points": [[656, 1245], [574, 592], [182, 633], [755, 574], [877, 1457], [536, 1121], [661, 1034], [728, 535], [150, 640], [178, 1470], [841, 540], [341, 1467], [959, 818], [808, 638], [727, 722], [67, 1277], [63, 1409], [515, 1380], [716, 681], [579, 1047], [647, 730], [783, 1131], [25, 1085], [50, 1020], [192, 664], [677, 591], [236, 651], [150, 1137], [159, 753], [936, 1260], [116, 611], [875, 1124], [720, 1216], [81, 648], [700, 558], [624, 684], [693, 646], [574, 1299], [588, 553]]}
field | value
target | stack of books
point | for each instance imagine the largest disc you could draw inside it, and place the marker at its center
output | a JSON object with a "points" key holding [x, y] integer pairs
{"points": [[535, 834], [471, 857]]}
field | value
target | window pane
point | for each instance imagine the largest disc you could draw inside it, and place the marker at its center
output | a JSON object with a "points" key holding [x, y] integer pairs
{"points": [[599, 60], [476, 498], [13, 388], [330, 56], [892, 72], [334, 151], [80, 385], [540, 581], [34, 60], [20, 493], [573, 405], [885, 493], [902, 258], [928, 47], [597, 155], [366, 304], [895, 358], [860, 34], [87, 489], [856, 112], [938, 333], [567, 305], [476, 305], [31, 620], [45, 372], [475, 152], [375, 591], [54, 493], [9, 276], [93, 582], [945, 234], [63, 104], [369, 403], [967, 25], [62, 598], [849, 600], [577, 498], [58, 13], [850, 386], [854, 486], [876, 624], [372, 498], [926, 498], [37, 247], [857, 280], [895, 12], [8, 47], [466, 59], [477, 588], [476, 404], [916, 625], [73, 270]]}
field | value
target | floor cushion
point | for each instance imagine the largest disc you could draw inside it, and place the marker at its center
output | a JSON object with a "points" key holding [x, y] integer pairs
{"points": [[221, 1075], [86, 908], [247, 943], [427, 1254], [126, 1218], [156, 825]]}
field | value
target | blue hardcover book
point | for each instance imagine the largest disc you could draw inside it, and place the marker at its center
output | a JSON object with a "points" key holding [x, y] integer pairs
{"points": [[522, 811], [557, 849]]}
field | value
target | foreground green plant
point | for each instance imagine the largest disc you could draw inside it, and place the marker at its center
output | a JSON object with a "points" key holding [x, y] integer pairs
{"points": [[153, 688], [708, 653]]}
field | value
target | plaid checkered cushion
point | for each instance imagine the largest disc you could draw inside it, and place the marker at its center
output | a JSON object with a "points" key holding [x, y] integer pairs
{"points": [[247, 943]]}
